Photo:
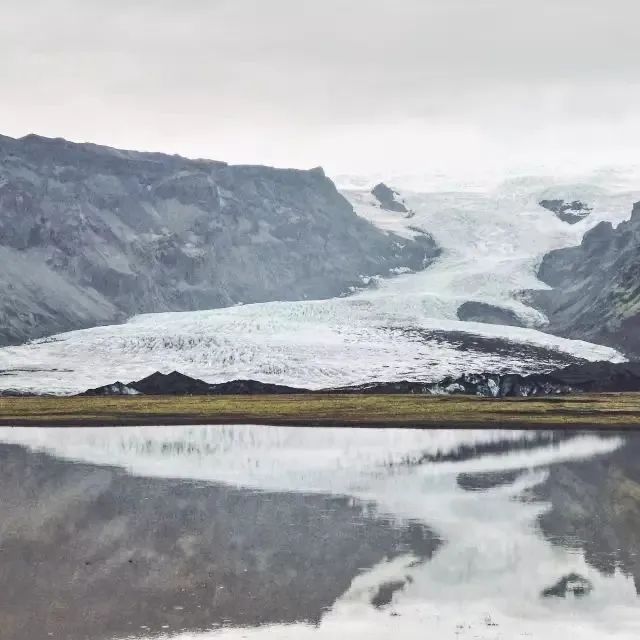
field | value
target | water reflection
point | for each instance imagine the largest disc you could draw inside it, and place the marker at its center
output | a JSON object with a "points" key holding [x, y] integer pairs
{"points": [[595, 509], [243, 532]]}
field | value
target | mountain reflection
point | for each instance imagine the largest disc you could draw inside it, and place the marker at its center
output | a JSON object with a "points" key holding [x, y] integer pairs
{"points": [[92, 552], [595, 507], [252, 532]]}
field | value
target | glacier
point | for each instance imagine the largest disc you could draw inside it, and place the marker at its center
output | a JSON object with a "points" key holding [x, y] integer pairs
{"points": [[400, 328]]}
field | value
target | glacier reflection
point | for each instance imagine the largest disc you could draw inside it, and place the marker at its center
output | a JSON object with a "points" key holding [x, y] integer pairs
{"points": [[453, 533]]}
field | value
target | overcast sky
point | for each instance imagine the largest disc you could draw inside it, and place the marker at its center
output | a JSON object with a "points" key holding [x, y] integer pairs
{"points": [[357, 86]]}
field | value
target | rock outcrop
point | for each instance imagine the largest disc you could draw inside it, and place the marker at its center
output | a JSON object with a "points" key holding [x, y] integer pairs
{"points": [[570, 212], [596, 286], [474, 311], [387, 198], [91, 235], [571, 584]]}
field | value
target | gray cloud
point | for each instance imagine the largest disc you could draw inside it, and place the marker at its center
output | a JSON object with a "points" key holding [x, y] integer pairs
{"points": [[351, 84]]}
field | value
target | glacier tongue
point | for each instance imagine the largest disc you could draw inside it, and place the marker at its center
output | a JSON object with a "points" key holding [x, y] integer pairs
{"points": [[402, 328], [313, 344]]}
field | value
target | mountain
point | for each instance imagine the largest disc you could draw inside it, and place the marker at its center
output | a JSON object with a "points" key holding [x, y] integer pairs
{"points": [[458, 316], [596, 286], [92, 235]]}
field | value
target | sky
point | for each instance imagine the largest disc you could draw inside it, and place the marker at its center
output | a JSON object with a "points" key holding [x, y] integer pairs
{"points": [[356, 86]]}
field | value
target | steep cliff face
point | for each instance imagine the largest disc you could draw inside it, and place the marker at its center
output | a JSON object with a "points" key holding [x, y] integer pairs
{"points": [[596, 286], [91, 235]]}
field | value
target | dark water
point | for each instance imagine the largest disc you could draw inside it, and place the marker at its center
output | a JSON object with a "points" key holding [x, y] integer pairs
{"points": [[243, 532]]}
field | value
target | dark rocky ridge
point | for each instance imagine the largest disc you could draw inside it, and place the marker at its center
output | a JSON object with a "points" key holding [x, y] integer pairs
{"points": [[570, 212], [596, 286], [474, 311], [592, 377], [176, 383], [91, 235]]}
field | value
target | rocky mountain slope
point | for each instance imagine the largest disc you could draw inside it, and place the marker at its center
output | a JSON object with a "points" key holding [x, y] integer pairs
{"points": [[596, 286], [91, 235]]}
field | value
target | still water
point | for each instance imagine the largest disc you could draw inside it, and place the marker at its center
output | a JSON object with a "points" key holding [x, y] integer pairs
{"points": [[283, 533]]}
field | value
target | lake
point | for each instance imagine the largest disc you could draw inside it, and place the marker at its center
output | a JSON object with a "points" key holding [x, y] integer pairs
{"points": [[284, 533]]}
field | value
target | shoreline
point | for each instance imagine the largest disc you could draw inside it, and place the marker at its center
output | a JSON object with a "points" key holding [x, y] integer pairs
{"points": [[608, 412]]}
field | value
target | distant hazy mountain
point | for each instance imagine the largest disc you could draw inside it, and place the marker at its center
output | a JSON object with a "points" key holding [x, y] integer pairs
{"points": [[596, 286], [90, 235]]}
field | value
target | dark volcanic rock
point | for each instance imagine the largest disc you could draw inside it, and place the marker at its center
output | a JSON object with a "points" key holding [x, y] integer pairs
{"points": [[570, 212], [573, 583], [385, 593], [474, 311], [242, 387], [174, 383], [601, 376], [387, 198], [596, 286], [590, 377], [401, 387], [178, 384], [116, 389], [91, 235]]}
